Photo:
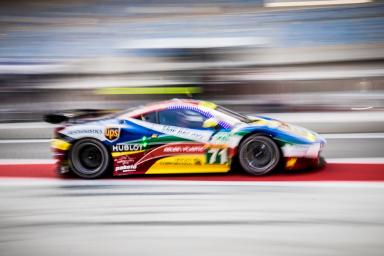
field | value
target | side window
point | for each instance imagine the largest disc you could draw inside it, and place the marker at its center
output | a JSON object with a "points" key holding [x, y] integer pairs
{"points": [[182, 118], [149, 117]]}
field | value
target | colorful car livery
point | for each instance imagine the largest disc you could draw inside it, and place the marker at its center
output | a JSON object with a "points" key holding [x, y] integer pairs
{"points": [[179, 136]]}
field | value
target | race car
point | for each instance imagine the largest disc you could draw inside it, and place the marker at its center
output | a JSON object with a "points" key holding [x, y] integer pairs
{"points": [[179, 136]]}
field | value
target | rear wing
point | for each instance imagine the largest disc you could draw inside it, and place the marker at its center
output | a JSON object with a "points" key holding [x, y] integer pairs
{"points": [[74, 116]]}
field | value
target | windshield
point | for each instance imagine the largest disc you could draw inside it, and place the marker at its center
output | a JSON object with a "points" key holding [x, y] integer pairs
{"points": [[233, 114]]}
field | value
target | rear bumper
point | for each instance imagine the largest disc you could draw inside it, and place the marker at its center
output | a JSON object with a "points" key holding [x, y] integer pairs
{"points": [[60, 150]]}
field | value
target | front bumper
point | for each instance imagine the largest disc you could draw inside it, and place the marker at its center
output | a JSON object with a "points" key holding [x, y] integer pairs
{"points": [[303, 150], [303, 156]]}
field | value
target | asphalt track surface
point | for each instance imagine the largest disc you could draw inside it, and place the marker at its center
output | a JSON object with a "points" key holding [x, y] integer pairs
{"points": [[190, 218], [335, 211]]}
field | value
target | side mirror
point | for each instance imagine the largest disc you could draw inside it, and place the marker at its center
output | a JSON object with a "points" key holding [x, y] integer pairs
{"points": [[210, 123]]}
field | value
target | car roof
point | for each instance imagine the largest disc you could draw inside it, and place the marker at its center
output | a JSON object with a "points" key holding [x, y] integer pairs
{"points": [[165, 104]]}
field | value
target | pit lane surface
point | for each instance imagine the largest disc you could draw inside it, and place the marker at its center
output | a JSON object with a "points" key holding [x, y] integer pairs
{"points": [[65, 217]]}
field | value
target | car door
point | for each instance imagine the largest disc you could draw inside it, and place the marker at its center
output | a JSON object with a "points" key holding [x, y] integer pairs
{"points": [[191, 149], [175, 142]]}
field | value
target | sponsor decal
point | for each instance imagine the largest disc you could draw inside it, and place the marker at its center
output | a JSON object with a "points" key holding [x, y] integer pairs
{"points": [[127, 147], [191, 163], [190, 134], [112, 133], [222, 137], [184, 149], [182, 132], [216, 156], [127, 168], [226, 138], [125, 163], [181, 161], [124, 160], [85, 131], [175, 149]]}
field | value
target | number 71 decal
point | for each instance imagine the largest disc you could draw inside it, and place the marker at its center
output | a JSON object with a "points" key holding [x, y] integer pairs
{"points": [[216, 156]]}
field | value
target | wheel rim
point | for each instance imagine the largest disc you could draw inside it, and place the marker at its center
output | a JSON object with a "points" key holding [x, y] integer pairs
{"points": [[260, 155], [90, 158]]}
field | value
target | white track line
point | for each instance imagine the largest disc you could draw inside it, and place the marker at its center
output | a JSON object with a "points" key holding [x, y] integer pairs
{"points": [[26, 125], [368, 160], [313, 3], [16, 141], [26, 161], [353, 135]]}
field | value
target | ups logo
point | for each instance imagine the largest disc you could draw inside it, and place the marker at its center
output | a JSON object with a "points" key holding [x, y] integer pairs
{"points": [[112, 133]]}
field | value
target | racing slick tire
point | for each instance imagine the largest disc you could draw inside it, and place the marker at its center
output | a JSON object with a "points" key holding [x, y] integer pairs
{"points": [[89, 159], [259, 155]]}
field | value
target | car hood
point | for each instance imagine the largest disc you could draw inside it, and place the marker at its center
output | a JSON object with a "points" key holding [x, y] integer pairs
{"points": [[284, 127]]}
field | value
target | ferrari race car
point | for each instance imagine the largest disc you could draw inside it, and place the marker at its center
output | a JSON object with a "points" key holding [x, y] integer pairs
{"points": [[179, 136]]}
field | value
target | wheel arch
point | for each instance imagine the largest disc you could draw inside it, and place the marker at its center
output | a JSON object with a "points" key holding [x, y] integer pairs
{"points": [[235, 159], [77, 140], [72, 142], [264, 132], [107, 146]]}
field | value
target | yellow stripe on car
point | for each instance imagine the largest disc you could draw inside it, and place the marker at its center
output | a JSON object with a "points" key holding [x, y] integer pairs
{"points": [[60, 144], [185, 164], [116, 154], [208, 104], [311, 137]]}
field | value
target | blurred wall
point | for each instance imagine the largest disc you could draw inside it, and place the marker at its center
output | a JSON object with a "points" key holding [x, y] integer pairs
{"points": [[248, 55]]}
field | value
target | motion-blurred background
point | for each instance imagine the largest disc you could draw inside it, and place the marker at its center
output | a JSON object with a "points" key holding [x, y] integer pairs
{"points": [[252, 56], [316, 63]]}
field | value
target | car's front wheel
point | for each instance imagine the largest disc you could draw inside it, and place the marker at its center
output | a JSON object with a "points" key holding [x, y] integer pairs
{"points": [[89, 159], [259, 155]]}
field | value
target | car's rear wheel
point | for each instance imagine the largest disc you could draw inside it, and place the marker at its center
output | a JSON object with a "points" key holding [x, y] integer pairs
{"points": [[259, 155], [89, 159]]}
